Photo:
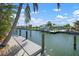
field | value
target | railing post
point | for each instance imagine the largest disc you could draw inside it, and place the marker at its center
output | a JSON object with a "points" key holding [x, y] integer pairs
{"points": [[26, 34], [19, 32], [43, 44], [74, 42]]}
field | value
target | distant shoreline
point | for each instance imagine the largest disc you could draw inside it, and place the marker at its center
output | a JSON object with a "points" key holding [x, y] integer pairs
{"points": [[57, 32], [66, 32]]}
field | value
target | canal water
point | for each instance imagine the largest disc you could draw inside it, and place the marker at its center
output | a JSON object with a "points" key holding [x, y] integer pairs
{"points": [[55, 44]]}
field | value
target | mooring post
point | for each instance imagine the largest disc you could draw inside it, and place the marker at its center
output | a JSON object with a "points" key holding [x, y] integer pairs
{"points": [[26, 34], [30, 34], [74, 42], [19, 32], [43, 44], [16, 32]]}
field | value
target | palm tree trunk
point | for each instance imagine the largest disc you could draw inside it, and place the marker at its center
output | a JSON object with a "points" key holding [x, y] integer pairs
{"points": [[6, 40]]}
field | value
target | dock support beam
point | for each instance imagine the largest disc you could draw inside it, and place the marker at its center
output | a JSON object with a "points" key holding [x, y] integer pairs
{"points": [[43, 44], [74, 42], [26, 34]]}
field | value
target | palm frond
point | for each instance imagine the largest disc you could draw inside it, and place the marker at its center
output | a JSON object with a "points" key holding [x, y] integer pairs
{"points": [[35, 7], [58, 5], [27, 12]]}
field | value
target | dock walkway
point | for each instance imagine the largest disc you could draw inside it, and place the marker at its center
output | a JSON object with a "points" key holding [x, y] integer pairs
{"points": [[19, 46]]}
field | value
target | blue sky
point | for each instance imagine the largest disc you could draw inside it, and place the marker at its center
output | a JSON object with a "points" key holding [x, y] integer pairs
{"points": [[67, 14]]}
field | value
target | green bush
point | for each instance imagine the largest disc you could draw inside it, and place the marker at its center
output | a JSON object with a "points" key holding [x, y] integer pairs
{"points": [[6, 17], [2, 37]]}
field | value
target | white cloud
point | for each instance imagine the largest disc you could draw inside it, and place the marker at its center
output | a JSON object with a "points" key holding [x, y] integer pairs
{"points": [[22, 10], [56, 10], [34, 21], [59, 20], [61, 17], [76, 13], [21, 21], [34, 12], [62, 20], [37, 22]]}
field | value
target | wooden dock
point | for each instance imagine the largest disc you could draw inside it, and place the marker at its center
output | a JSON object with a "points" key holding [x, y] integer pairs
{"points": [[19, 46]]}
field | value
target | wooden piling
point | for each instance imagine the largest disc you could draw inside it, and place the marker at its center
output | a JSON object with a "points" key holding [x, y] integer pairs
{"points": [[26, 35], [74, 42], [16, 32], [43, 43], [19, 32], [30, 34]]}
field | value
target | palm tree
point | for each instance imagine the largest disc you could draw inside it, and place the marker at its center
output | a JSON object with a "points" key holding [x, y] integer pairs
{"points": [[27, 14], [58, 5], [67, 27], [49, 25], [13, 26], [35, 7], [76, 25], [30, 28], [6, 17]]}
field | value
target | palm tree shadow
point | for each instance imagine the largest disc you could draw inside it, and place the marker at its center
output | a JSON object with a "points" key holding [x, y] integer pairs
{"points": [[15, 49]]}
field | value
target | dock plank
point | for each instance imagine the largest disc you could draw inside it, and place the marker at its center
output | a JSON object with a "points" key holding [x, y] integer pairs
{"points": [[30, 47]]}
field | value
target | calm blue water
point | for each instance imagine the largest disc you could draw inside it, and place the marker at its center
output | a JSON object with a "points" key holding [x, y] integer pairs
{"points": [[55, 44]]}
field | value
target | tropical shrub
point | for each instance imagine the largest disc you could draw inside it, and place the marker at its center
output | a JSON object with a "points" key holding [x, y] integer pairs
{"points": [[6, 15]]}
